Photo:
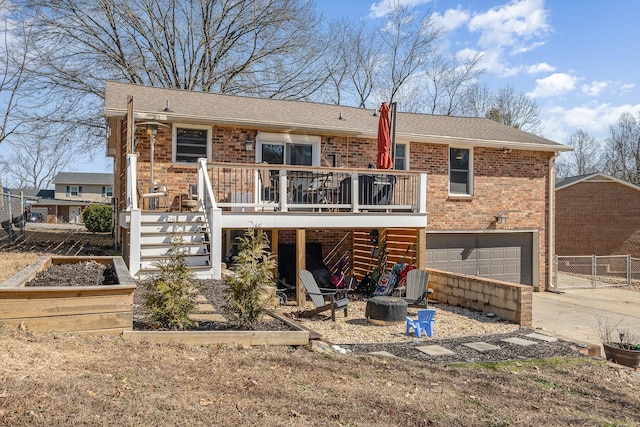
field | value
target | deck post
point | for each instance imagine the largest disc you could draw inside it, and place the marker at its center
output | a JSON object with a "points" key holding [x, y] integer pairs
{"points": [[283, 190], [422, 193], [421, 248], [301, 257], [135, 231], [274, 252], [215, 254]]}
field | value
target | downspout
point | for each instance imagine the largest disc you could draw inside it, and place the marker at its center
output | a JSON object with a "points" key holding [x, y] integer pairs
{"points": [[550, 229]]}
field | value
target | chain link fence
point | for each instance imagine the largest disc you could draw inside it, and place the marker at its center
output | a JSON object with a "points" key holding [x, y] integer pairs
{"points": [[12, 219], [592, 271]]}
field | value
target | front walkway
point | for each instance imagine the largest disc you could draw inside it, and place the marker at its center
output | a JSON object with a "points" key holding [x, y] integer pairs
{"points": [[574, 314]]}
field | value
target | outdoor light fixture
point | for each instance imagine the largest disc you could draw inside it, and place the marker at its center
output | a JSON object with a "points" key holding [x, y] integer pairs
{"points": [[501, 218], [248, 143], [506, 150]]}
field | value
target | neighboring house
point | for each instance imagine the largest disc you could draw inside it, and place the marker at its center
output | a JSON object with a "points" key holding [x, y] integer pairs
{"points": [[74, 191], [468, 195], [597, 214], [92, 187]]}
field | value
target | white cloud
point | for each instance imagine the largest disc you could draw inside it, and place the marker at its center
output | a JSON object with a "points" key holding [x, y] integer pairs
{"points": [[594, 88], [452, 18], [560, 122], [542, 67], [514, 24], [555, 84], [383, 7]]}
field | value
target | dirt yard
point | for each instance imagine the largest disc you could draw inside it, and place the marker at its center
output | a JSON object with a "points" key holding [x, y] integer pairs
{"points": [[63, 379]]}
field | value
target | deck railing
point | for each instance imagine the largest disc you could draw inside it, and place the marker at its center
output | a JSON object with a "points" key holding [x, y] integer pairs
{"points": [[266, 187]]}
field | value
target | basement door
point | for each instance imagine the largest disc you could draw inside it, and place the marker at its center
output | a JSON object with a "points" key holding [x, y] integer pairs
{"points": [[500, 256]]}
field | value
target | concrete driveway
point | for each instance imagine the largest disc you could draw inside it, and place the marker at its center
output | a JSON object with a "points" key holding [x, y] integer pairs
{"points": [[574, 314]]}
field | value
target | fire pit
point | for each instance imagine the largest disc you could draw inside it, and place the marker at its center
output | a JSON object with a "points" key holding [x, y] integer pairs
{"points": [[384, 310]]}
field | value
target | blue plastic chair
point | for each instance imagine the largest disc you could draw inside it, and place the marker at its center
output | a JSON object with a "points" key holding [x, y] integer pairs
{"points": [[424, 322]]}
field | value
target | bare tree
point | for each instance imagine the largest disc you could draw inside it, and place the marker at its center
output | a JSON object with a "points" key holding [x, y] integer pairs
{"points": [[476, 100], [516, 110], [261, 48], [586, 152], [447, 81], [34, 160], [13, 60], [585, 158], [505, 106], [622, 151], [408, 42]]}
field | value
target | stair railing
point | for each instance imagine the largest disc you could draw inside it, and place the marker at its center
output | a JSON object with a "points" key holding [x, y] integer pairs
{"points": [[213, 218]]}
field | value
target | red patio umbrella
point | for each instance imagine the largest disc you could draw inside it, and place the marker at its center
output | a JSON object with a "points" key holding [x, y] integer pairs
{"points": [[384, 139]]}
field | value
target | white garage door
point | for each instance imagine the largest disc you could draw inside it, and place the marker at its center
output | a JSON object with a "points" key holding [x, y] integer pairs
{"points": [[500, 256]]}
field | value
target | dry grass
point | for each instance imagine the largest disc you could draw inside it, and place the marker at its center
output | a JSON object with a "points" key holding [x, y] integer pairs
{"points": [[12, 262], [56, 380]]}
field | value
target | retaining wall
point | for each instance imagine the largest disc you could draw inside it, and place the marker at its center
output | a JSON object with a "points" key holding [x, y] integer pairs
{"points": [[509, 301]]}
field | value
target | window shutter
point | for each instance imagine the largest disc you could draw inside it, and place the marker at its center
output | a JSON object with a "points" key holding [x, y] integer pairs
{"points": [[80, 191], [68, 191]]}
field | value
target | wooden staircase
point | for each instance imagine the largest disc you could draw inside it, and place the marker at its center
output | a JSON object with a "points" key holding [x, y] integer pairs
{"points": [[161, 231]]}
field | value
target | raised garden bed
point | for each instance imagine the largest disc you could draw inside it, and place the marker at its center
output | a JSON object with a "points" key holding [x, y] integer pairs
{"points": [[71, 307]]}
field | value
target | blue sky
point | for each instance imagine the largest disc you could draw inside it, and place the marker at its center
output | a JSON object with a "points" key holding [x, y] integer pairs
{"points": [[578, 59]]}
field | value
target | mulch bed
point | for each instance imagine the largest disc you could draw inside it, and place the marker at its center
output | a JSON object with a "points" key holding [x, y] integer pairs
{"points": [[213, 291], [88, 273]]}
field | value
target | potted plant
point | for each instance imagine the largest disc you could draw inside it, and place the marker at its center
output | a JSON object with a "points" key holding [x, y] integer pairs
{"points": [[623, 351]]}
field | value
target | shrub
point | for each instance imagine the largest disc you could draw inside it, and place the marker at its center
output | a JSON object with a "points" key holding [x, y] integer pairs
{"points": [[254, 274], [170, 298], [98, 218]]}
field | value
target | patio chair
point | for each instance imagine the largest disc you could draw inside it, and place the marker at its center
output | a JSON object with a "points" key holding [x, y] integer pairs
{"points": [[318, 295], [416, 289], [190, 203], [424, 322], [268, 181]]}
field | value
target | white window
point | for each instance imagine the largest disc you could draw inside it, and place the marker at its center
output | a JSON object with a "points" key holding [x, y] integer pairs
{"points": [[74, 191], [107, 191], [460, 171], [190, 143], [283, 148], [401, 158]]}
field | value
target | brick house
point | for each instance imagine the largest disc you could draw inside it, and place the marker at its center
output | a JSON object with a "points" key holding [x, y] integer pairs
{"points": [[467, 195], [597, 214]]}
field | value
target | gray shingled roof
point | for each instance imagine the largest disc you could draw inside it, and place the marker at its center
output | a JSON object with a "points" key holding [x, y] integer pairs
{"points": [[309, 117], [594, 177], [87, 178]]}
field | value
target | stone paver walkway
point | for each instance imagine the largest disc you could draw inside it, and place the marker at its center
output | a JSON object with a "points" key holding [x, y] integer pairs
{"points": [[480, 346]]}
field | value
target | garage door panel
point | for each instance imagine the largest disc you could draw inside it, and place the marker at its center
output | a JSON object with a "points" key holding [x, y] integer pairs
{"points": [[469, 270], [511, 253], [483, 254]]}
